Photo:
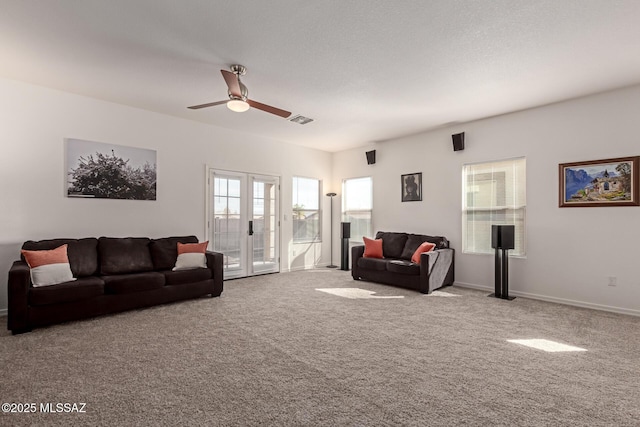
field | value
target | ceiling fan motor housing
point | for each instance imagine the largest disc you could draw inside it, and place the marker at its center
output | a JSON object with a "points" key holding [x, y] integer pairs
{"points": [[239, 70], [243, 91]]}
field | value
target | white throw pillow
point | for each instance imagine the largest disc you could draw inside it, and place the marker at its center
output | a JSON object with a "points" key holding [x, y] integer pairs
{"points": [[190, 260], [51, 274]]}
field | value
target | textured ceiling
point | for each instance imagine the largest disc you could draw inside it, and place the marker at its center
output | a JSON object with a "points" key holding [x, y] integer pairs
{"points": [[365, 70]]}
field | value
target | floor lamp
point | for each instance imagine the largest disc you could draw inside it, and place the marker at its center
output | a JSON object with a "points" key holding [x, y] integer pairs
{"points": [[331, 240]]}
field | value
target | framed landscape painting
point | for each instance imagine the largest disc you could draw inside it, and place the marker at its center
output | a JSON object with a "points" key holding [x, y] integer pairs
{"points": [[608, 182]]}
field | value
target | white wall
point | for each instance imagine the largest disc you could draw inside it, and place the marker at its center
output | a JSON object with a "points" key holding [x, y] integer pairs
{"points": [[571, 252], [35, 122]]}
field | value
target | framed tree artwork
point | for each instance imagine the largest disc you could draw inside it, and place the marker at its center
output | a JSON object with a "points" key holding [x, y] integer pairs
{"points": [[107, 171], [608, 182], [411, 187]]}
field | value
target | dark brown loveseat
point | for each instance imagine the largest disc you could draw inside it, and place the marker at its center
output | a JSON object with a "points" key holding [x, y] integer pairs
{"points": [[112, 275], [436, 268]]}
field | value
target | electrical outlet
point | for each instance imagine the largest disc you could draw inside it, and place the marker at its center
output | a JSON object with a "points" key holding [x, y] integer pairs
{"points": [[613, 281]]}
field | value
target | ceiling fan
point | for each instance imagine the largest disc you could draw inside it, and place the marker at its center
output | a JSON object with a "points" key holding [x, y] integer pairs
{"points": [[238, 95]]}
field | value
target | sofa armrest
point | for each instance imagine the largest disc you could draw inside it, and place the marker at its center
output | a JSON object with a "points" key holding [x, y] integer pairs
{"points": [[215, 264], [436, 269], [18, 295], [357, 252]]}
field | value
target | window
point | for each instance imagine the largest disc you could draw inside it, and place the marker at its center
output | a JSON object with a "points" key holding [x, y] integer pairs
{"points": [[493, 193], [357, 204], [306, 209]]}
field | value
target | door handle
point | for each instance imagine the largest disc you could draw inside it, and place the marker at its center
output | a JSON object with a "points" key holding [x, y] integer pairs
{"points": [[250, 228]]}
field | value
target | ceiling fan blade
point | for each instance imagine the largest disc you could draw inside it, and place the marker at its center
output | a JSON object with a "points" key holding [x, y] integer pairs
{"points": [[269, 109], [211, 104], [232, 82]]}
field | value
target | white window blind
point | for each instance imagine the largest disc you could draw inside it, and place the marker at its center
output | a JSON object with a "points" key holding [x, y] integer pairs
{"points": [[306, 209], [493, 193], [357, 204]]}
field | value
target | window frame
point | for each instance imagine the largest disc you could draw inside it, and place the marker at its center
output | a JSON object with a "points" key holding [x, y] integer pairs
{"points": [[357, 238], [318, 236], [514, 213]]}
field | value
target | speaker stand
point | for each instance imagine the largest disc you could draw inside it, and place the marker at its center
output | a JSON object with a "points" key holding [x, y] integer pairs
{"points": [[344, 258], [501, 267]]}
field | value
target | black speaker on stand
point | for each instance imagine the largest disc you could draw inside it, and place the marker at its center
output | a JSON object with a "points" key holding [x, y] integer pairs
{"points": [[502, 239], [344, 255]]}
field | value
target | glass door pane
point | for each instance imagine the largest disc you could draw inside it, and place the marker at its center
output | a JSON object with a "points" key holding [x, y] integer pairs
{"points": [[264, 241], [228, 232]]}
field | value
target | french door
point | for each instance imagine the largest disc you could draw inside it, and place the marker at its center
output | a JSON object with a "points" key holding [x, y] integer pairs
{"points": [[243, 222]]}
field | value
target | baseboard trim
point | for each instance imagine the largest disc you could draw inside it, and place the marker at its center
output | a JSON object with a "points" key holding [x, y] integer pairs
{"points": [[564, 301], [308, 267], [3, 312]]}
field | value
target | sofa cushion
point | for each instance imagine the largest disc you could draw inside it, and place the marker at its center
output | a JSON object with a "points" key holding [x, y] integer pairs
{"points": [[403, 267], [164, 252], [48, 267], [372, 264], [83, 288], [82, 253], [128, 283], [415, 240], [124, 255], [392, 243], [187, 276]]}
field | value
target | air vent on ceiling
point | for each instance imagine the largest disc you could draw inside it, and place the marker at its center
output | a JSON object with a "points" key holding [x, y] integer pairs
{"points": [[302, 120]]}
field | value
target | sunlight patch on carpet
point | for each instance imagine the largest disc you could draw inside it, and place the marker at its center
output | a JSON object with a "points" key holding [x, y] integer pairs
{"points": [[442, 294], [546, 345], [355, 293]]}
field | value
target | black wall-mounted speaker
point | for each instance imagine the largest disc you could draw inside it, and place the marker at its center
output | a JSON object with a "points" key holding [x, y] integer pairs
{"points": [[371, 157], [458, 141], [503, 237], [346, 230]]}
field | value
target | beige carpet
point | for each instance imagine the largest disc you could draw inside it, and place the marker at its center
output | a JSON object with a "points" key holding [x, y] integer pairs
{"points": [[274, 351]]}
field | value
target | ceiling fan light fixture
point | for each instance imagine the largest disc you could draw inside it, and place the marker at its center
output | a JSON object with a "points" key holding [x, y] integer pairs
{"points": [[237, 105]]}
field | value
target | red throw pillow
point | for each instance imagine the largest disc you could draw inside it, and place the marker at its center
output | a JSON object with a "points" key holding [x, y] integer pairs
{"points": [[187, 248], [425, 247], [372, 248]]}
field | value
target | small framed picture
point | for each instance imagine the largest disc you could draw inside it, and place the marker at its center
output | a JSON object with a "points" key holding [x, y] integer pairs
{"points": [[411, 187], [608, 182]]}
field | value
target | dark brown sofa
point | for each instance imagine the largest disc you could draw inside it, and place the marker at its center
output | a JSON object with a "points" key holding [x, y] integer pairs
{"points": [[112, 275], [436, 268]]}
